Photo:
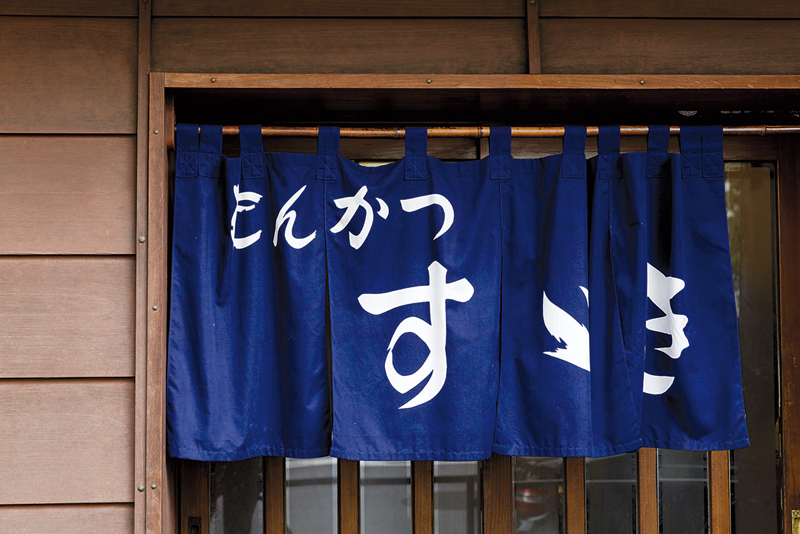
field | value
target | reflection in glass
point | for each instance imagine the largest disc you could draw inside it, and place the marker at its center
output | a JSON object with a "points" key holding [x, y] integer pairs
{"points": [[385, 497], [311, 496], [611, 494], [539, 494], [236, 494], [682, 491], [749, 191], [456, 498]]}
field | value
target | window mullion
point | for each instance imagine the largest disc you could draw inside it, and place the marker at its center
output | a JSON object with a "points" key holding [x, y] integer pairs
{"points": [[274, 495], [575, 495], [349, 497], [647, 490], [422, 497], [498, 495], [719, 489]]}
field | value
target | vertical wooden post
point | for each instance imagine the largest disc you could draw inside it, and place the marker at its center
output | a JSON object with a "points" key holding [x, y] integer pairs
{"points": [[422, 497], [159, 505], [140, 336], [274, 495], [575, 497], [534, 41], [789, 283], [349, 497], [647, 490], [498, 495]]}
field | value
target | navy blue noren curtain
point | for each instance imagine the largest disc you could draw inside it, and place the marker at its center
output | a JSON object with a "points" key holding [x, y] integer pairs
{"points": [[425, 310]]}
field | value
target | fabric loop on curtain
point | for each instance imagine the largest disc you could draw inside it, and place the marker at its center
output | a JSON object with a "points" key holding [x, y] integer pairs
{"points": [[424, 310]]}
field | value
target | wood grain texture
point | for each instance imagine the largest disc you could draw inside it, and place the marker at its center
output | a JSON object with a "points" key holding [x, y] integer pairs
{"points": [[67, 519], [66, 317], [677, 9], [719, 492], [140, 320], [422, 497], [156, 508], [66, 441], [789, 287], [59, 8], [274, 495], [68, 75], [575, 495], [194, 496], [647, 490], [340, 45], [534, 44], [713, 84], [498, 495], [339, 8], [67, 195], [349, 497], [659, 46]]}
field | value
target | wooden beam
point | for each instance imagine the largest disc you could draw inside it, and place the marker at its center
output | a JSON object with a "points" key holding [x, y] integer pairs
{"points": [[647, 490], [575, 495], [714, 83], [498, 495]]}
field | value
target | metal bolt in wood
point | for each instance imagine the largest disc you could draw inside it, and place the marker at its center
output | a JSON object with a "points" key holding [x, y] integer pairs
{"points": [[142, 239], [141, 487], [155, 307]]}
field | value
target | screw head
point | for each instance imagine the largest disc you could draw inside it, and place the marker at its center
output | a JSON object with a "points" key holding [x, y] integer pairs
{"points": [[641, 82], [213, 80], [155, 132], [152, 486], [155, 307], [428, 81], [141, 487], [142, 239]]}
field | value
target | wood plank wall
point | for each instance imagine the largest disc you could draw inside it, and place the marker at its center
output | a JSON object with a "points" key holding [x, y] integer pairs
{"points": [[67, 284], [68, 153], [477, 36]]}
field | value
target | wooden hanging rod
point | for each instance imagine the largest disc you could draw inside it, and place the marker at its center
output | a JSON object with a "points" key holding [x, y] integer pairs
{"points": [[483, 131]]}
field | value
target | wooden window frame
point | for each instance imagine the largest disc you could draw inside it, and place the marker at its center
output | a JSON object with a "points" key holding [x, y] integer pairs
{"points": [[160, 488]]}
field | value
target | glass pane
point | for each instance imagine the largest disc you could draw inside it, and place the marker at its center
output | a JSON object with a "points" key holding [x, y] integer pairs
{"points": [[611, 494], [539, 494], [456, 498], [682, 491], [236, 497], [311, 496], [754, 471], [385, 497]]}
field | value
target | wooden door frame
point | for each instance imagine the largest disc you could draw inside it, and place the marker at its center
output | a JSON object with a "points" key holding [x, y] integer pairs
{"points": [[160, 487]]}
